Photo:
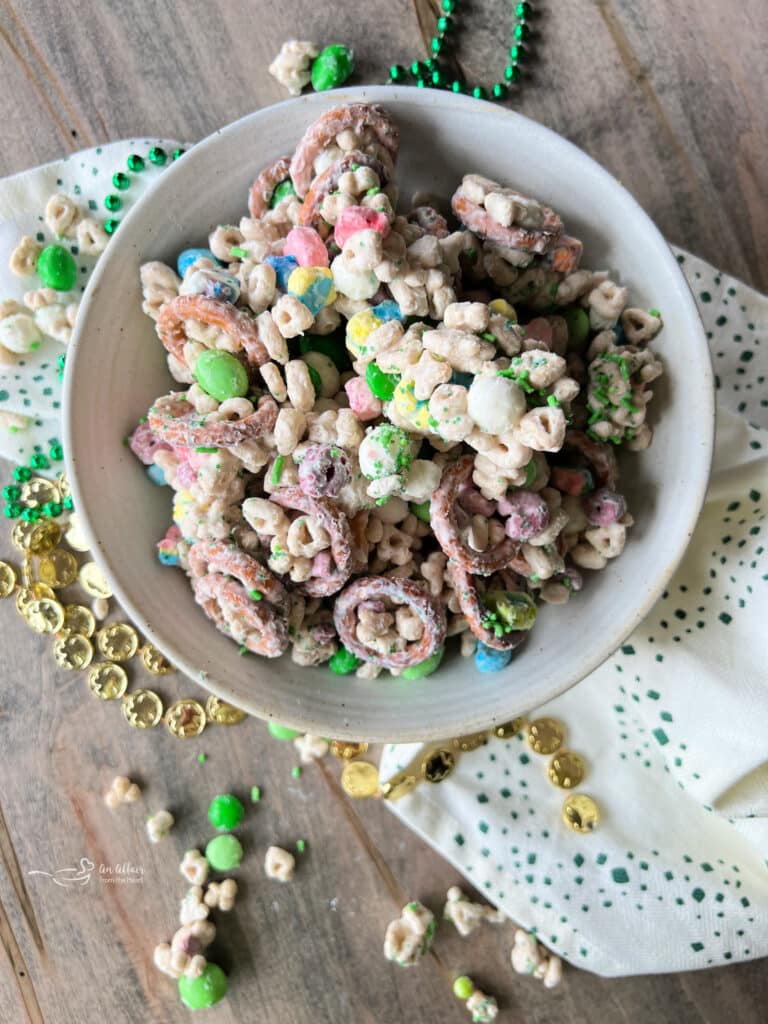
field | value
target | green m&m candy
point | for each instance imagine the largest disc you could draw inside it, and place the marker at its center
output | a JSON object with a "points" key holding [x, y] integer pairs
{"points": [[421, 510], [332, 67], [57, 268], [226, 812], [463, 987], [343, 662], [282, 732], [382, 384], [426, 667], [282, 191], [221, 375], [207, 990], [577, 320], [224, 853]]}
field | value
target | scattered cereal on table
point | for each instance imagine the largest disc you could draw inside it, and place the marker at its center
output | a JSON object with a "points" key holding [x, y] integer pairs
{"points": [[467, 916], [529, 957], [279, 864], [122, 791], [410, 936], [159, 825]]}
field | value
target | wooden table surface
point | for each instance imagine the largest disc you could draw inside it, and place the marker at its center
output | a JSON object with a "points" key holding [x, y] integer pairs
{"points": [[672, 100]]}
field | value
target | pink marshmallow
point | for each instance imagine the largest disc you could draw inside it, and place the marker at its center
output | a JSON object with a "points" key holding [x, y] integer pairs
{"points": [[186, 475], [307, 247], [362, 401], [358, 218], [322, 564]]}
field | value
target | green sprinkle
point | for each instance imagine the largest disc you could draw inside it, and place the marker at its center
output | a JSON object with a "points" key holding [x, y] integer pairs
{"points": [[551, 400], [355, 167], [373, 191], [255, 595], [277, 469], [301, 845], [296, 771], [202, 758], [488, 336], [654, 312], [255, 794], [241, 254], [207, 451], [242, 649]]}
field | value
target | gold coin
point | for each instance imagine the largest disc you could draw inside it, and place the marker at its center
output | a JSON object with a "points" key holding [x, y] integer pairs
{"points": [[79, 619], [108, 681], [58, 569], [39, 491], [34, 592], [438, 765], [470, 742], [73, 652], [398, 788], [347, 751], [545, 735], [21, 533], [581, 813], [118, 642], [7, 579], [185, 718], [63, 484], [142, 709], [360, 779], [222, 713], [44, 538], [507, 730], [154, 662], [93, 581], [566, 769], [45, 616], [75, 536]]}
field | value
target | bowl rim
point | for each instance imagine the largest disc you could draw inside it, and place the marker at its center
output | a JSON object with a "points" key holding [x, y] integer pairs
{"points": [[584, 666]]}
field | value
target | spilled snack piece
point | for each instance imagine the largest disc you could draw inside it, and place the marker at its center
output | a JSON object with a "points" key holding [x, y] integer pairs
{"points": [[409, 937], [395, 431]]}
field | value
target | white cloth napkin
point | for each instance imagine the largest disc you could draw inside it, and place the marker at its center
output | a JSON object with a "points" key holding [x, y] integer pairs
{"points": [[674, 727]]}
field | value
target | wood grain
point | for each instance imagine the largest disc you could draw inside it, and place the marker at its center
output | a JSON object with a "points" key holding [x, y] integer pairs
{"points": [[672, 102]]}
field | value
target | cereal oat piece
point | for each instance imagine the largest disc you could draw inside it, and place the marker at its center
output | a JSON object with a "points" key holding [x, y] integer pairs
{"points": [[122, 791], [466, 915], [192, 906], [159, 825], [530, 957], [176, 963], [221, 895], [310, 748], [409, 938], [291, 67], [482, 1007], [194, 867], [279, 864]]}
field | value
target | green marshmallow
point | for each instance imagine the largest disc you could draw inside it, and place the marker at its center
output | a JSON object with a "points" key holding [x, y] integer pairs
{"points": [[332, 67], [226, 812], [221, 375], [517, 610], [281, 732], [207, 990], [426, 667], [382, 384], [57, 268], [577, 320], [224, 853], [343, 662]]}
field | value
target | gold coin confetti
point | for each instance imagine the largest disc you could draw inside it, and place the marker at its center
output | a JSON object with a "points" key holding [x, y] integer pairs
{"points": [[507, 730], [21, 533], [39, 491], [79, 619], [347, 751], [118, 642], [185, 718], [469, 742], [63, 484], [75, 536], [566, 769], [93, 581], [34, 592], [154, 662], [545, 735], [360, 779], [44, 538], [73, 652], [438, 765], [58, 569], [109, 681], [398, 788], [142, 709], [44, 616], [581, 813], [222, 713], [7, 579]]}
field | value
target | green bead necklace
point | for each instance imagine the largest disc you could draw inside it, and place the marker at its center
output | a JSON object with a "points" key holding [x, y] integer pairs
{"points": [[433, 72], [122, 181]]}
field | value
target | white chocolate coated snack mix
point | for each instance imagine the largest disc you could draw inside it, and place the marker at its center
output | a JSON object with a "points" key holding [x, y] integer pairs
{"points": [[394, 426]]}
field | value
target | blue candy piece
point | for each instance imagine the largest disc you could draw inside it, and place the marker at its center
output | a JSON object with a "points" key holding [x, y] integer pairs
{"points": [[186, 258], [464, 379], [284, 267], [488, 659], [387, 310], [168, 557], [156, 475]]}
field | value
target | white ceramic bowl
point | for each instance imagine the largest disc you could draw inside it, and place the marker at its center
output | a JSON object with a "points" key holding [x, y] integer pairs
{"points": [[116, 367]]}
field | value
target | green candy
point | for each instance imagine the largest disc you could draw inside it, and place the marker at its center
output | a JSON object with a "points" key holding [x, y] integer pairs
{"points": [[282, 732], [463, 987], [282, 191], [343, 662], [221, 375], [207, 990], [317, 380], [421, 511], [57, 268], [516, 610], [224, 853], [226, 812], [332, 67], [577, 320], [330, 345], [426, 667], [381, 384]]}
